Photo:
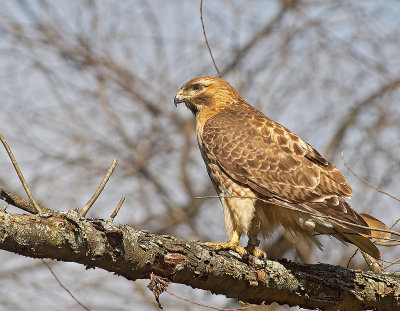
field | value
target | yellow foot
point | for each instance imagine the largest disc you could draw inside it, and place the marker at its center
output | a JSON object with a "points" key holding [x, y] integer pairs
{"points": [[256, 252], [229, 246]]}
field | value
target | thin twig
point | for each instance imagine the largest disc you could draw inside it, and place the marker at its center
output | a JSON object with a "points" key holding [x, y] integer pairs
{"points": [[21, 177], [352, 256], [207, 306], [115, 212], [395, 223], [373, 187], [387, 242], [64, 287], [366, 182], [392, 263], [103, 183], [205, 37]]}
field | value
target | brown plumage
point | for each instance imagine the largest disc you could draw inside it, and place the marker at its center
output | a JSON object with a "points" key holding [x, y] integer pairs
{"points": [[250, 156]]}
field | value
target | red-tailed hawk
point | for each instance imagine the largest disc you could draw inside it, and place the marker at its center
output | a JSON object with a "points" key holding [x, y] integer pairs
{"points": [[266, 175]]}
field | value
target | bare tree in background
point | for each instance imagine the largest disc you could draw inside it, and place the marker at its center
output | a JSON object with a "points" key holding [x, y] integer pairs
{"points": [[83, 82]]}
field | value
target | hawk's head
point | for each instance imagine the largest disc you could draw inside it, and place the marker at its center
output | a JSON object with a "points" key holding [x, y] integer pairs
{"points": [[206, 91]]}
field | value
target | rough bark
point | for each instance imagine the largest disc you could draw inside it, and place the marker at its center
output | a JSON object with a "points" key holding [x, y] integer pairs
{"points": [[136, 254]]}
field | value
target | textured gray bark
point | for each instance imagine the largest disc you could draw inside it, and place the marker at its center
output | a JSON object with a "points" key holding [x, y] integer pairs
{"points": [[136, 254]]}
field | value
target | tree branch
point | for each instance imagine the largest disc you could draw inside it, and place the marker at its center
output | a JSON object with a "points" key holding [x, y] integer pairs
{"points": [[135, 255]]}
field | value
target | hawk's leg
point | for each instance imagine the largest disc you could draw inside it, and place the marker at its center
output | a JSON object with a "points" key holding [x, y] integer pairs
{"points": [[233, 244], [251, 249], [254, 242]]}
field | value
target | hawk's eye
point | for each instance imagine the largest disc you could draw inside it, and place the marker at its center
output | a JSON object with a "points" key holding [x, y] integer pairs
{"points": [[197, 87]]}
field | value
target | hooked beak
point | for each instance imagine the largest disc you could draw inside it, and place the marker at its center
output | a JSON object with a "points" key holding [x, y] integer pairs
{"points": [[178, 98]]}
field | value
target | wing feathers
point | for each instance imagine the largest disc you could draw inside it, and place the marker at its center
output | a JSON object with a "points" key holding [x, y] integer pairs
{"points": [[311, 220], [254, 148]]}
